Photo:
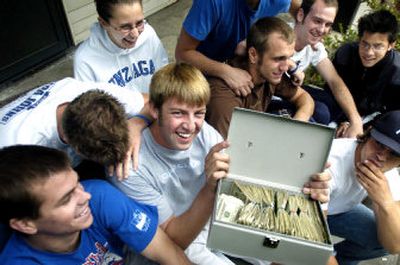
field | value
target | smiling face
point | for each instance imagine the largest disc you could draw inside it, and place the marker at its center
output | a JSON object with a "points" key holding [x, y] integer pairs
{"points": [[125, 25], [177, 124], [382, 156], [274, 62], [65, 205], [318, 23], [373, 47]]}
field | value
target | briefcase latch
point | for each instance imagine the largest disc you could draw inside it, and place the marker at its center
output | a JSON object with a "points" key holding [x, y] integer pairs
{"points": [[271, 242]]}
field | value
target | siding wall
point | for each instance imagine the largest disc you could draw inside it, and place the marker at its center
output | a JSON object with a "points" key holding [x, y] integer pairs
{"points": [[82, 13]]}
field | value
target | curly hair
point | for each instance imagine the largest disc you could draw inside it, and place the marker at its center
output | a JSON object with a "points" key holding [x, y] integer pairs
{"points": [[95, 125]]}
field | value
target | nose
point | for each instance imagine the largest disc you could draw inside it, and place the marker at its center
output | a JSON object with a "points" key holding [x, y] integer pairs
{"points": [[384, 153], [284, 66], [189, 123], [134, 32], [83, 195]]}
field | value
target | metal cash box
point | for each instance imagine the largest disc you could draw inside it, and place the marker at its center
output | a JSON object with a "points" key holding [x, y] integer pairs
{"points": [[272, 153]]}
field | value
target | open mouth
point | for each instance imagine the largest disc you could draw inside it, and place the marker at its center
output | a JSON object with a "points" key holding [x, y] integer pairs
{"points": [[84, 213], [129, 42], [184, 135]]}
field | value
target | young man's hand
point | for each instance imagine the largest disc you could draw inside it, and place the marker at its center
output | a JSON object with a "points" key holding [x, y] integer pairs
{"points": [[216, 164], [121, 170], [374, 182], [318, 186]]}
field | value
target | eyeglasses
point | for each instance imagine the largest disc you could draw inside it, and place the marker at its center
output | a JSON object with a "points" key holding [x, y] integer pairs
{"points": [[125, 29], [375, 47]]}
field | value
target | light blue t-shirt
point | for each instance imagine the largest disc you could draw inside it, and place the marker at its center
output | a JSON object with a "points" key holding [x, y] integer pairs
{"points": [[117, 220], [169, 179], [220, 25]]}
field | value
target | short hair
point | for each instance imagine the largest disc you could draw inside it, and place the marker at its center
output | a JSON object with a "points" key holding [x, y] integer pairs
{"points": [[22, 167], [261, 30], [306, 5], [104, 7], [95, 125], [381, 21], [181, 81]]}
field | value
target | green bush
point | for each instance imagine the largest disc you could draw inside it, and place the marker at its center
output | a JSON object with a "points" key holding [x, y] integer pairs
{"points": [[335, 39]]}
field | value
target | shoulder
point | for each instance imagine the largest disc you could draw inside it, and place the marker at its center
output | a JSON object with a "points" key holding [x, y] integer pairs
{"points": [[346, 51], [342, 148], [208, 136]]}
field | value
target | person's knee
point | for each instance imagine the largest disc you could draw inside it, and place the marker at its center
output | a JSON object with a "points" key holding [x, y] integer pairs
{"points": [[321, 113]]}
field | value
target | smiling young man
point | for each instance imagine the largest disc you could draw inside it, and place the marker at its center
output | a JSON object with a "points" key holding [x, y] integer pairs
{"points": [[181, 160], [58, 220], [213, 29], [122, 48], [371, 67], [361, 168], [270, 44]]}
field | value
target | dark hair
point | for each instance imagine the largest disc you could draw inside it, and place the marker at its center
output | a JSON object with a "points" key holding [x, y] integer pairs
{"points": [[21, 167], [104, 7], [381, 21], [261, 30], [306, 5], [95, 125]]}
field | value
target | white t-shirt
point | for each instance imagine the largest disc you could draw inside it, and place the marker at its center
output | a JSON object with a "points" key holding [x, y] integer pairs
{"points": [[99, 59], [346, 191], [31, 119], [309, 55]]}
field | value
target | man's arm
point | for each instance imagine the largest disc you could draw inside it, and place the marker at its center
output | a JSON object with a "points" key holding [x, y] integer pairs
{"points": [[237, 79], [304, 104], [184, 229], [387, 211], [343, 97], [136, 125], [298, 97], [162, 250], [294, 7]]}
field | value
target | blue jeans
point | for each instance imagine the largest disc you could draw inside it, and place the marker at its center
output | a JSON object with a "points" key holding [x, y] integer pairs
{"points": [[358, 227]]}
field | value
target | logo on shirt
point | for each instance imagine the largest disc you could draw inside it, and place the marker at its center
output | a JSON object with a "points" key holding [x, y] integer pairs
{"points": [[140, 220], [31, 102], [103, 256], [127, 74]]}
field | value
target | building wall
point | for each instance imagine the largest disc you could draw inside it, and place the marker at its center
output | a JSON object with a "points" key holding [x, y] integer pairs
{"points": [[82, 13]]}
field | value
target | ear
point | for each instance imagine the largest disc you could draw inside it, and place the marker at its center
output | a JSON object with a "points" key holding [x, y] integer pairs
{"points": [[153, 111], [300, 15], [25, 226], [392, 45], [253, 55], [102, 22]]}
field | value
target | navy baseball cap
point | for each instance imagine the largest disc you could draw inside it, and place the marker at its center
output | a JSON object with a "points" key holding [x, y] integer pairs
{"points": [[386, 130]]}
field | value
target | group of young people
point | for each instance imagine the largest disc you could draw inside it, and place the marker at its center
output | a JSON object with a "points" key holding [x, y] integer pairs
{"points": [[159, 131]]}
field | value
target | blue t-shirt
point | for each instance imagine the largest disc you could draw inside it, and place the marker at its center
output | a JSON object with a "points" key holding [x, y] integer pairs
{"points": [[118, 220], [220, 25]]}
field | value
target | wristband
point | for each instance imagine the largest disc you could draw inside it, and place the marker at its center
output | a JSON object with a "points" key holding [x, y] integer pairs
{"points": [[143, 117]]}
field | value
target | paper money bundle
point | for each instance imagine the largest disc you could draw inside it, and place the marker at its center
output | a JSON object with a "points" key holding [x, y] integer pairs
{"points": [[272, 210]]}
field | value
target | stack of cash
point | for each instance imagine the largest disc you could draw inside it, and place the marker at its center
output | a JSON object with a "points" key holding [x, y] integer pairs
{"points": [[272, 210]]}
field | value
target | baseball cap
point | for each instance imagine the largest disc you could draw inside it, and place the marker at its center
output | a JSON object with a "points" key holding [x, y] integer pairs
{"points": [[386, 130]]}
